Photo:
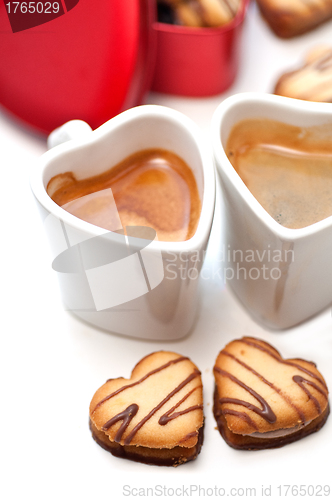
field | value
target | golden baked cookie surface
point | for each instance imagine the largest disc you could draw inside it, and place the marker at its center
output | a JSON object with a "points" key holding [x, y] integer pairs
{"points": [[159, 407], [257, 391], [288, 18], [312, 81]]}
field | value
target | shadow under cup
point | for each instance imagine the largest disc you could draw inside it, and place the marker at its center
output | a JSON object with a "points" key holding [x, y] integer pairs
{"points": [[282, 276], [128, 284]]}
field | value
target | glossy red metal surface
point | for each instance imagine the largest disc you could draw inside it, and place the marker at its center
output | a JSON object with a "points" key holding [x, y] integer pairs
{"points": [[91, 62], [197, 61]]}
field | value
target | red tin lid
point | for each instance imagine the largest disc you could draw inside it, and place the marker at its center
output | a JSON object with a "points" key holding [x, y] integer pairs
{"points": [[87, 60]]}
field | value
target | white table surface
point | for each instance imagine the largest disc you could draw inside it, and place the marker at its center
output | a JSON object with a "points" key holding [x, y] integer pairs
{"points": [[52, 363]]}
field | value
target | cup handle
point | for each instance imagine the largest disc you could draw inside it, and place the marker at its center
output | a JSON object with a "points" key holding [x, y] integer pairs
{"points": [[74, 129]]}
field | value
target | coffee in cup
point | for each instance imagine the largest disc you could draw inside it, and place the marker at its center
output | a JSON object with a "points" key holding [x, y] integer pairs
{"points": [[152, 187], [287, 168]]}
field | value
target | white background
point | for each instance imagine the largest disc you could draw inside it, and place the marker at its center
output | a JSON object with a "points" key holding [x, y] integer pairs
{"points": [[51, 363]]}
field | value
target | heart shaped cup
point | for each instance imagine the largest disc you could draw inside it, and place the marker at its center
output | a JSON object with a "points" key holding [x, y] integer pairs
{"points": [[126, 284], [304, 274]]}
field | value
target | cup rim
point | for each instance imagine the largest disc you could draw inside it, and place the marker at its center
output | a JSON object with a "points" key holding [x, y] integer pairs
{"points": [[101, 133], [204, 31], [223, 165]]}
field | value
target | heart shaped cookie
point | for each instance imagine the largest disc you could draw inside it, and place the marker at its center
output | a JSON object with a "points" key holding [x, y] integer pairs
{"points": [[289, 18], [156, 416], [264, 401], [312, 81]]}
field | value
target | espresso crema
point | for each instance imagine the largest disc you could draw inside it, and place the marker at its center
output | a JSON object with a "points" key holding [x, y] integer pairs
{"points": [[288, 169], [152, 187]]}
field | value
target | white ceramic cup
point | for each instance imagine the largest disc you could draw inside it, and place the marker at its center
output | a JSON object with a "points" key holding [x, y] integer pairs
{"points": [[300, 284], [127, 285]]}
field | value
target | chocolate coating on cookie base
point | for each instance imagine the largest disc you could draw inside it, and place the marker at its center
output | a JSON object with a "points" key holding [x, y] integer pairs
{"points": [[247, 442], [151, 456]]}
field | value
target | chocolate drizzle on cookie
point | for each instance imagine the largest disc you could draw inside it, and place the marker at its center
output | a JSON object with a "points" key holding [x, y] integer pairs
{"points": [[306, 412], [169, 415], [155, 417], [129, 413], [301, 382], [324, 63], [160, 368], [251, 342], [266, 411], [140, 424], [312, 81], [126, 416], [270, 384]]}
